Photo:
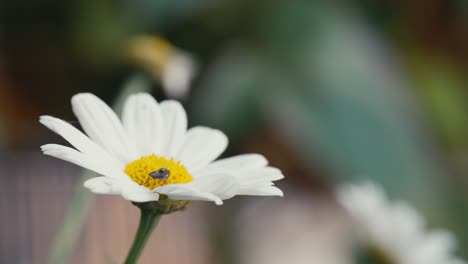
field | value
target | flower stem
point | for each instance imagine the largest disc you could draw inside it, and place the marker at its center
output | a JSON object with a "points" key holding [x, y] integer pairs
{"points": [[148, 221]]}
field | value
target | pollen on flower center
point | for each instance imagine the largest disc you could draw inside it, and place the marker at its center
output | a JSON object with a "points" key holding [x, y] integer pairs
{"points": [[153, 171]]}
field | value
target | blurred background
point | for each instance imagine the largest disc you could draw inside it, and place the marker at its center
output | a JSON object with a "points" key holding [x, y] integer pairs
{"points": [[328, 91]]}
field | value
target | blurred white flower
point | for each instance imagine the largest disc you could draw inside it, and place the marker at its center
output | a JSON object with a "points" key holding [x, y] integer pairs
{"points": [[178, 74], [174, 67], [395, 231], [151, 153]]}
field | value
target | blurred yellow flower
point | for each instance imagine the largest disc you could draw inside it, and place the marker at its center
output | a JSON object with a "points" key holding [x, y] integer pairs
{"points": [[174, 67]]}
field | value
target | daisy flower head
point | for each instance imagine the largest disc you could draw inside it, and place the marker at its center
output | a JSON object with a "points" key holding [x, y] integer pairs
{"points": [[393, 232], [150, 155]]}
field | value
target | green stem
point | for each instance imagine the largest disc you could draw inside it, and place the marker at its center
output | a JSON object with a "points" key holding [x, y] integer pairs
{"points": [[148, 221]]}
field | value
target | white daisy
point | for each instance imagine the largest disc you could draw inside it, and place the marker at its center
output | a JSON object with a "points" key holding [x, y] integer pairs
{"points": [[394, 231], [151, 154]]}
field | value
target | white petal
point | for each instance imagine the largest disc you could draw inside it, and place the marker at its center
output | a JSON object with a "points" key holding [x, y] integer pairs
{"points": [[142, 120], [224, 186], [436, 245], [137, 193], [103, 185], [258, 176], [79, 140], [245, 177], [249, 171], [103, 126], [233, 164], [183, 192], [261, 191], [174, 126], [409, 222], [362, 200], [80, 159], [201, 146]]}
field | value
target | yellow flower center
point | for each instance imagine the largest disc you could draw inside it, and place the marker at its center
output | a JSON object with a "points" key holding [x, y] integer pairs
{"points": [[153, 171]]}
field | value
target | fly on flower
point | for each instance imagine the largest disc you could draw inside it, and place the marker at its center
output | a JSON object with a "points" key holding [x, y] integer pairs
{"points": [[150, 155]]}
